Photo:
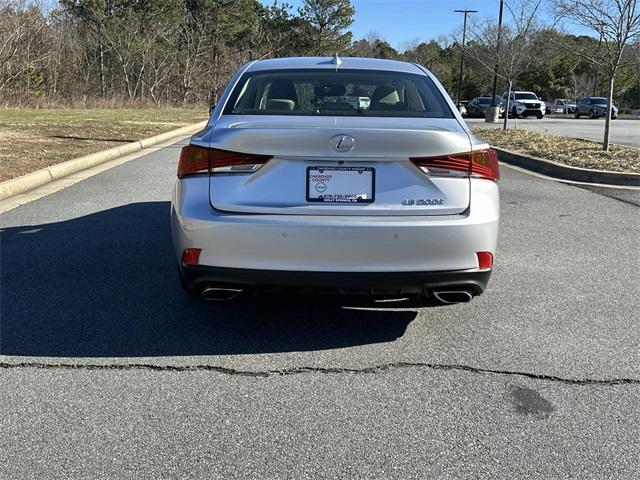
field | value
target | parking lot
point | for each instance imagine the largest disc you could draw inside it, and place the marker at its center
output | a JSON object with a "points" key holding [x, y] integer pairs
{"points": [[624, 131], [108, 365]]}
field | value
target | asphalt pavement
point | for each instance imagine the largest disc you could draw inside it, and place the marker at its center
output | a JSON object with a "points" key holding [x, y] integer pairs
{"points": [[109, 370], [623, 131]]}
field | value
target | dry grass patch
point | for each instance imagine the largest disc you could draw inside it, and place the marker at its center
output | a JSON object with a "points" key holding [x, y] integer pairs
{"points": [[31, 139], [570, 151]]}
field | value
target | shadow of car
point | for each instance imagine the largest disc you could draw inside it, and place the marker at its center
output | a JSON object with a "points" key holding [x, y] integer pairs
{"points": [[105, 285]]}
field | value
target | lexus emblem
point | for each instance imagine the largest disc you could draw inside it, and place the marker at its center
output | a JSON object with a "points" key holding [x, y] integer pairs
{"points": [[342, 143]]}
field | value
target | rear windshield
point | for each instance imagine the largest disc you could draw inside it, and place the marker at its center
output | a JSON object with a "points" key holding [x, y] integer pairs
{"points": [[337, 93]]}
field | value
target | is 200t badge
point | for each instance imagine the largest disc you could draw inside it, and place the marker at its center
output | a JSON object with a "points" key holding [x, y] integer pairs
{"points": [[423, 201]]}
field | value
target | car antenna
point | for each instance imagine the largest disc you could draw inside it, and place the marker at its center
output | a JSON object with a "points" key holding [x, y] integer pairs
{"points": [[336, 61]]}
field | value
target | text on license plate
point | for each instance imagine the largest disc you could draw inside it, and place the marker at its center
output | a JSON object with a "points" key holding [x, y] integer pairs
{"points": [[340, 184]]}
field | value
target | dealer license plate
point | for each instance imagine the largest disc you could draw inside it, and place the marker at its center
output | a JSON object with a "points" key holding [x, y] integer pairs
{"points": [[340, 184]]}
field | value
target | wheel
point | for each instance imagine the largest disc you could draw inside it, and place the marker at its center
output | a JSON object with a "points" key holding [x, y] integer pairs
{"points": [[592, 114], [514, 113], [539, 116], [576, 114]]}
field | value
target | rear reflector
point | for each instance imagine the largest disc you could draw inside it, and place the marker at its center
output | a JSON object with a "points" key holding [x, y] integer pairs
{"points": [[195, 159], [479, 164], [485, 260], [191, 256]]}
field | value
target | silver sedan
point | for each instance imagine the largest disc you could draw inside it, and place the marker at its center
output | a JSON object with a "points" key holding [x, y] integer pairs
{"points": [[349, 175]]}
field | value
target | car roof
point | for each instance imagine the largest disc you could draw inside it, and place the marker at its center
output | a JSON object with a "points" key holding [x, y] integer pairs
{"points": [[328, 63]]}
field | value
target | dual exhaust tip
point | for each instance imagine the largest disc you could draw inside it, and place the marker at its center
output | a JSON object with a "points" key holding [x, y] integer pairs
{"points": [[447, 297], [220, 293]]}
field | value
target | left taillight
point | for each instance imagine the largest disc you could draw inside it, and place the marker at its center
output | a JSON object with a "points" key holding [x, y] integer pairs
{"points": [[195, 159], [479, 164]]}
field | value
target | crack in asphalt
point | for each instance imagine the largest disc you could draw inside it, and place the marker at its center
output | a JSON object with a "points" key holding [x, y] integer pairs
{"points": [[324, 370]]}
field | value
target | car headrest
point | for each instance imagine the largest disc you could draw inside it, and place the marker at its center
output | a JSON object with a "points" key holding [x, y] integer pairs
{"points": [[385, 94], [284, 90], [280, 104]]}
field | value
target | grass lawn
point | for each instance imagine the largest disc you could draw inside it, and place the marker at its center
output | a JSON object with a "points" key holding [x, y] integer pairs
{"points": [[32, 139], [570, 151]]}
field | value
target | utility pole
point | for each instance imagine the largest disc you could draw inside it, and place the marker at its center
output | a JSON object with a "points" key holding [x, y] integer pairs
{"points": [[464, 38], [494, 111]]}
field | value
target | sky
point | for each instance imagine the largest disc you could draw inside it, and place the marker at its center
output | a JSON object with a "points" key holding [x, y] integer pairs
{"points": [[401, 21]]}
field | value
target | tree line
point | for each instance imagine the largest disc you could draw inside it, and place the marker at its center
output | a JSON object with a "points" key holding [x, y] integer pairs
{"points": [[179, 52]]}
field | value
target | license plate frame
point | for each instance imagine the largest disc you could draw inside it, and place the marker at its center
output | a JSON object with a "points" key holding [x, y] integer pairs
{"points": [[348, 198]]}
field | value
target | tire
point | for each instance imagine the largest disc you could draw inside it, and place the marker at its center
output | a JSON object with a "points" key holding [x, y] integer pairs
{"points": [[576, 114], [514, 113], [592, 114], [539, 116]]}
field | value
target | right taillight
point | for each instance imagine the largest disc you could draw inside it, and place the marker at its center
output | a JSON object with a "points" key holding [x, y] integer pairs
{"points": [[479, 164], [195, 159]]}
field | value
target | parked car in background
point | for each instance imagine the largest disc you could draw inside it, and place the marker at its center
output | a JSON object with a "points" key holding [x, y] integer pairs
{"points": [[594, 107], [524, 104], [635, 110], [291, 186], [479, 106], [548, 107], [563, 106]]}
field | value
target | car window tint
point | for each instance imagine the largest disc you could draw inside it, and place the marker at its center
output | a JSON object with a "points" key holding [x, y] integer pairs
{"points": [[337, 93]]}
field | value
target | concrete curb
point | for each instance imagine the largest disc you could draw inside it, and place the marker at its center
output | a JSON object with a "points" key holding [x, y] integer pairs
{"points": [[566, 172], [49, 174]]}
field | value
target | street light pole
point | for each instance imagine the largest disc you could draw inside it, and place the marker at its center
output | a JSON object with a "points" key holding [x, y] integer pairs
{"points": [[493, 116], [464, 37]]}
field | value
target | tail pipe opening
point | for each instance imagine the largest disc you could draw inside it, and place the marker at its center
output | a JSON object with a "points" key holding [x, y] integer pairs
{"points": [[220, 293], [452, 296]]}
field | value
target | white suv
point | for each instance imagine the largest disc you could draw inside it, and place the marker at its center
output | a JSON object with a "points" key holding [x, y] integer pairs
{"points": [[524, 104]]}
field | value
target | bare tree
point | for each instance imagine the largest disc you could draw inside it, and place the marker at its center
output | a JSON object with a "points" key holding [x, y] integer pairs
{"points": [[21, 43], [617, 22], [516, 40]]}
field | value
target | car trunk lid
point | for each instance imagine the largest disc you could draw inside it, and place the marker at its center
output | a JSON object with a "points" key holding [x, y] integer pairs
{"points": [[303, 147]]}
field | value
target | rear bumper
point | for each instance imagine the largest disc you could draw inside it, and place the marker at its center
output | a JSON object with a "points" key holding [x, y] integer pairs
{"points": [[339, 243], [370, 283]]}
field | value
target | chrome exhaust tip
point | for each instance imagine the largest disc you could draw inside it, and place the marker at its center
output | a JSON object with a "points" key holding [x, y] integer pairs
{"points": [[452, 296], [220, 293]]}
